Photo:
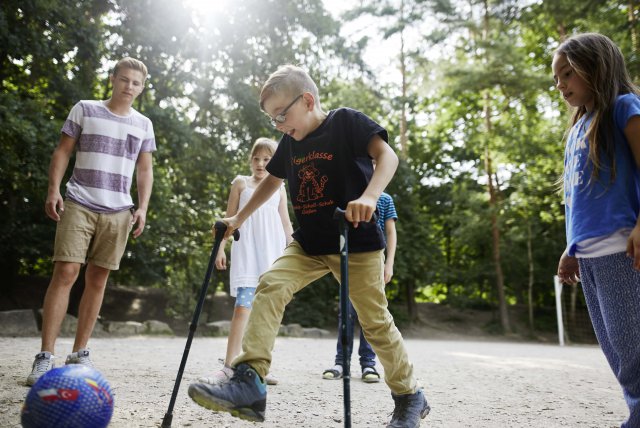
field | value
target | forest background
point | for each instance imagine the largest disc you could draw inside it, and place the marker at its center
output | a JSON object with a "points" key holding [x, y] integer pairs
{"points": [[470, 107]]}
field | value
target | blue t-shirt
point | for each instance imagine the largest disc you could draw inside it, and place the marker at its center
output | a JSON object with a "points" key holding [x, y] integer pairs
{"points": [[599, 207], [386, 210], [329, 168]]}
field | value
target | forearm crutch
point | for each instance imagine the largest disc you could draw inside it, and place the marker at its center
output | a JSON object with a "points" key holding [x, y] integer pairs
{"points": [[344, 308], [220, 229]]}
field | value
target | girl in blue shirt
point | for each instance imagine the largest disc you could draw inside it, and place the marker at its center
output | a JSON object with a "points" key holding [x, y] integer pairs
{"points": [[602, 199]]}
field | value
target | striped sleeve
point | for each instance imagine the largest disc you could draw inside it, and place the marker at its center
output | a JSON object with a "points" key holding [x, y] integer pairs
{"points": [[149, 141], [73, 125], [386, 209]]}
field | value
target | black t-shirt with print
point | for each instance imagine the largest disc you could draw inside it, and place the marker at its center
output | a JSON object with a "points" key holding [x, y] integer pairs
{"points": [[327, 169]]}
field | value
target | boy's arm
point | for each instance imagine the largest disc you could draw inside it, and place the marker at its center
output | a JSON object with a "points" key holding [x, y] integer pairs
{"points": [[392, 239], [144, 180], [57, 168], [233, 202], [362, 209], [284, 216], [263, 192]]}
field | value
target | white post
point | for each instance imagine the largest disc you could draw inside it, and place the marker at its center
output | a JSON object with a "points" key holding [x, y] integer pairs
{"points": [[558, 287]]}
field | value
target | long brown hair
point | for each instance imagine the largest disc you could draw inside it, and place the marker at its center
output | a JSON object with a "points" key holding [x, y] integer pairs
{"points": [[600, 63]]}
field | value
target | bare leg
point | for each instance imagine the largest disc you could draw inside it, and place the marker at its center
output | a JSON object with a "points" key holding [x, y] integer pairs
{"points": [[95, 283], [56, 302], [234, 341]]}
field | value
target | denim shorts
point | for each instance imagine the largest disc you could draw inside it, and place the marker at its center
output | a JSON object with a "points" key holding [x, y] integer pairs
{"points": [[244, 297]]}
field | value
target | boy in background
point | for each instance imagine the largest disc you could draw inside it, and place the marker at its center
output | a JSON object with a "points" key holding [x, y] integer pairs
{"points": [[387, 218], [110, 139]]}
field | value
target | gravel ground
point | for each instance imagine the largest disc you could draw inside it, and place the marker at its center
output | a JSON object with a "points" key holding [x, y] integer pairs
{"points": [[468, 383]]}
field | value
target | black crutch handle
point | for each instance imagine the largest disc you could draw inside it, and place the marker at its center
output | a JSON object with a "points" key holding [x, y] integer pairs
{"points": [[338, 214], [221, 227]]}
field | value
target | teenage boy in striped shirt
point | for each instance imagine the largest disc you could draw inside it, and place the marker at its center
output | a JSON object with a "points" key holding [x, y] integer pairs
{"points": [[111, 140]]}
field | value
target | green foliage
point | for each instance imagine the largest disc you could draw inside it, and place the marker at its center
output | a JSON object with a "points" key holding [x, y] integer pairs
{"points": [[205, 74], [25, 233], [49, 51]]}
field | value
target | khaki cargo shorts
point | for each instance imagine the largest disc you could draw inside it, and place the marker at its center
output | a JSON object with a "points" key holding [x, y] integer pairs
{"points": [[83, 236]]}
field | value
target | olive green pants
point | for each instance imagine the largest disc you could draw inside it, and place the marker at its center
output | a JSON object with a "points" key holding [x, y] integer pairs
{"points": [[294, 270]]}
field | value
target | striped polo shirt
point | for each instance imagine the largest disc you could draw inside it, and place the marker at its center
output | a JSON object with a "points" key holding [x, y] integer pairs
{"points": [[107, 148]]}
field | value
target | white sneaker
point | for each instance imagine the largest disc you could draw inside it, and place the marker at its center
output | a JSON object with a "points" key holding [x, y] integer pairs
{"points": [[218, 378], [41, 364], [80, 357]]}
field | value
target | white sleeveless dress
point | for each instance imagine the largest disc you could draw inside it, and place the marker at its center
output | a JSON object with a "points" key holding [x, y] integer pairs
{"points": [[261, 242]]}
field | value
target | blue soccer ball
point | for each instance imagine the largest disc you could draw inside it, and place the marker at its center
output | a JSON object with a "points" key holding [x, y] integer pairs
{"points": [[73, 396]]}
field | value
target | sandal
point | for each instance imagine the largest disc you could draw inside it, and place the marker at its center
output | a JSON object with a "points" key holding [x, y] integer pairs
{"points": [[334, 373], [370, 375]]}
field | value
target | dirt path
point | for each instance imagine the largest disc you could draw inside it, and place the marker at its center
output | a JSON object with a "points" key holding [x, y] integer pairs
{"points": [[468, 384]]}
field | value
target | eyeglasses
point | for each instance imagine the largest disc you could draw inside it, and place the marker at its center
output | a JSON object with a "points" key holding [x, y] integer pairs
{"points": [[281, 117]]}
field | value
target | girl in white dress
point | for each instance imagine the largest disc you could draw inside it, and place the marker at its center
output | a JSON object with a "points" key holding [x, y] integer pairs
{"points": [[263, 237]]}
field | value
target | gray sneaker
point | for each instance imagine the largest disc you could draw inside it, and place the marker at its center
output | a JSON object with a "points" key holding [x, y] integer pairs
{"points": [[409, 409], [80, 357], [41, 364], [244, 395]]}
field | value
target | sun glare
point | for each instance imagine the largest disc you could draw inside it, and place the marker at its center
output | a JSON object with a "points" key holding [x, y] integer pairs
{"points": [[206, 14], [206, 7]]}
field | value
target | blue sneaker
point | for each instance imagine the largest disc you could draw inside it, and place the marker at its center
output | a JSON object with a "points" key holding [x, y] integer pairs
{"points": [[244, 395], [409, 409]]}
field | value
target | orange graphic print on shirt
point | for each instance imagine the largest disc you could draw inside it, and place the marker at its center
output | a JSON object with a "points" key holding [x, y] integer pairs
{"points": [[311, 184]]}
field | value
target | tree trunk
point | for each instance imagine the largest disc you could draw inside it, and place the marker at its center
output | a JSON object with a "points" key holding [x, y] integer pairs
{"points": [[495, 235], [410, 288], [531, 276], [448, 258], [634, 62], [493, 200], [412, 309], [573, 305], [403, 98]]}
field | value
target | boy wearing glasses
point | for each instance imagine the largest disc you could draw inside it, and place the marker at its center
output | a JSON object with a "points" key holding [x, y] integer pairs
{"points": [[327, 159]]}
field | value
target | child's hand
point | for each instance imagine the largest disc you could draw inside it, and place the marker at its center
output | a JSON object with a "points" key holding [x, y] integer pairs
{"points": [[568, 269], [361, 209], [232, 223], [54, 205], [388, 273], [139, 217], [633, 247], [221, 260]]}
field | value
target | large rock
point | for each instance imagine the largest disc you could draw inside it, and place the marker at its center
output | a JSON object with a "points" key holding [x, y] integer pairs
{"points": [[70, 325], [216, 328], [18, 323], [316, 333], [125, 328], [296, 330], [134, 303], [157, 327], [291, 330]]}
